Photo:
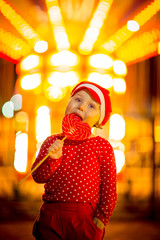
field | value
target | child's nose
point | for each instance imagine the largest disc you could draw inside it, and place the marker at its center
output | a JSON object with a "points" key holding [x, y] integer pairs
{"points": [[81, 107]]}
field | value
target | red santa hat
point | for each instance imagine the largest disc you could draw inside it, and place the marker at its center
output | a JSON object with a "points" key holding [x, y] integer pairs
{"points": [[101, 95]]}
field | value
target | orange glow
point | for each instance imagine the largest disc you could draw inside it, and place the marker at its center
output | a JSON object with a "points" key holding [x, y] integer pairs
{"points": [[134, 48], [123, 34], [157, 133], [95, 25], [55, 16], [16, 44], [19, 23]]}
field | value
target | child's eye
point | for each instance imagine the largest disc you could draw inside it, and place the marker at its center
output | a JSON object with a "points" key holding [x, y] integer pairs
{"points": [[77, 99], [91, 106]]}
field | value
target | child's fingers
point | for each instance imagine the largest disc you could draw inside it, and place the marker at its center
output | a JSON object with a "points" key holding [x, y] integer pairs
{"points": [[56, 146]]}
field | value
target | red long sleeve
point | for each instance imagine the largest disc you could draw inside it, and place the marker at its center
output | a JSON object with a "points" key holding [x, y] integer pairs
{"points": [[86, 172]]}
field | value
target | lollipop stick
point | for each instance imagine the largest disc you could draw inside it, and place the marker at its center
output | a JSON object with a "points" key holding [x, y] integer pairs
{"points": [[37, 165]]}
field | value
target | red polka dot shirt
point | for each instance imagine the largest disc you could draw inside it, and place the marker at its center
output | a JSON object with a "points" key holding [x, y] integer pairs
{"points": [[86, 172]]}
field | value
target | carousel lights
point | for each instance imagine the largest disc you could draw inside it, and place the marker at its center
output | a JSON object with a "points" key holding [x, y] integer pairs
{"points": [[63, 79], [119, 85], [21, 152], [124, 34], [104, 80], [43, 123], [132, 25], [63, 58], [95, 25], [8, 109], [30, 62], [57, 24], [100, 61], [41, 46], [17, 101], [119, 67], [19, 23], [134, 48], [30, 81], [14, 43], [54, 93], [120, 160], [117, 127]]}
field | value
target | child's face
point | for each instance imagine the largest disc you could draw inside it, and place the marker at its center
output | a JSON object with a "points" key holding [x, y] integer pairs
{"points": [[84, 105]]}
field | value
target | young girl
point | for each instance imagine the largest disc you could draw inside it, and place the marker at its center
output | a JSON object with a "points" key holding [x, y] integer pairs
{"points": [[79, 176]]}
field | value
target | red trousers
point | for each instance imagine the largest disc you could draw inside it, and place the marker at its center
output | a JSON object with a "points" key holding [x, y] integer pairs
{"points": [[67, 221]]}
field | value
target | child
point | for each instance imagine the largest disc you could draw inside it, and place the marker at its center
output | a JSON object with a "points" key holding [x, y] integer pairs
{"points": [[79, 176]]}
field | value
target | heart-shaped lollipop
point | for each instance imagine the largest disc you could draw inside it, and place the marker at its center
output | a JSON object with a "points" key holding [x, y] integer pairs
{"points": [[73, 127]]}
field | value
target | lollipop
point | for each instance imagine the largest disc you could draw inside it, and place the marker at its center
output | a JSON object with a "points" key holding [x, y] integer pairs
{"points": [[73, 128]]}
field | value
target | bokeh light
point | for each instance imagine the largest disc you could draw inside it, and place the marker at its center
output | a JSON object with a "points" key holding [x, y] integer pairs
{"points": [[17, 101], [8, 109], [117, 127]]}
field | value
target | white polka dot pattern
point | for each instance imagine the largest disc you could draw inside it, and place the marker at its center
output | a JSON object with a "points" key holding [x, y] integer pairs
{"points": [[85, 173]]}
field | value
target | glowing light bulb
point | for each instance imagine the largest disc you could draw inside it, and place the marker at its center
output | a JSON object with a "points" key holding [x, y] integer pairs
{"points": [[20, 157], [30, 62], [120, 160], [63, 58], [119, 85], [17, 101], [132, 25], [41, 46], [101, 61], [119, 67], [29, 82], [8, 109], [117, 127]]}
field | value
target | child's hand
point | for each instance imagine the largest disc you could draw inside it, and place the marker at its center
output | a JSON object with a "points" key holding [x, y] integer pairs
{"points": [[56, 149], [98, 222]]}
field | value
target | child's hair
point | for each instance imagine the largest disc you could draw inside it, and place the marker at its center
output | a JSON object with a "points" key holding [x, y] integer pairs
{"points": [[101, 95]]}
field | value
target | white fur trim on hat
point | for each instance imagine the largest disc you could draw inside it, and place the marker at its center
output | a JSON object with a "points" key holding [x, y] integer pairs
{"points": [[101, 96]]}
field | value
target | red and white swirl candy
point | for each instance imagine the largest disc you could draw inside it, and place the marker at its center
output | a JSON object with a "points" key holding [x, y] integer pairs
{"points": [[73, 127]]}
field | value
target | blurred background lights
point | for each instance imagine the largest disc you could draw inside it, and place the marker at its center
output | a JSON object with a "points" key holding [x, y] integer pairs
{"points": [[30, 62], [120, 160], [54, 93], [17, 101], [117, 127], [8, 109], [66, 58], [21, 152], [31, 81], [63, 79], [157, 133], [119, 85], [119, 67], [132, 25], [41, 46], [159, 48], [104, 80], [101, 61], [43, 123]]}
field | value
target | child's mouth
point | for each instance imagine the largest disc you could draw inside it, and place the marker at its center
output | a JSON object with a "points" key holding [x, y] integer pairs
{"points": [[78, 116]]}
